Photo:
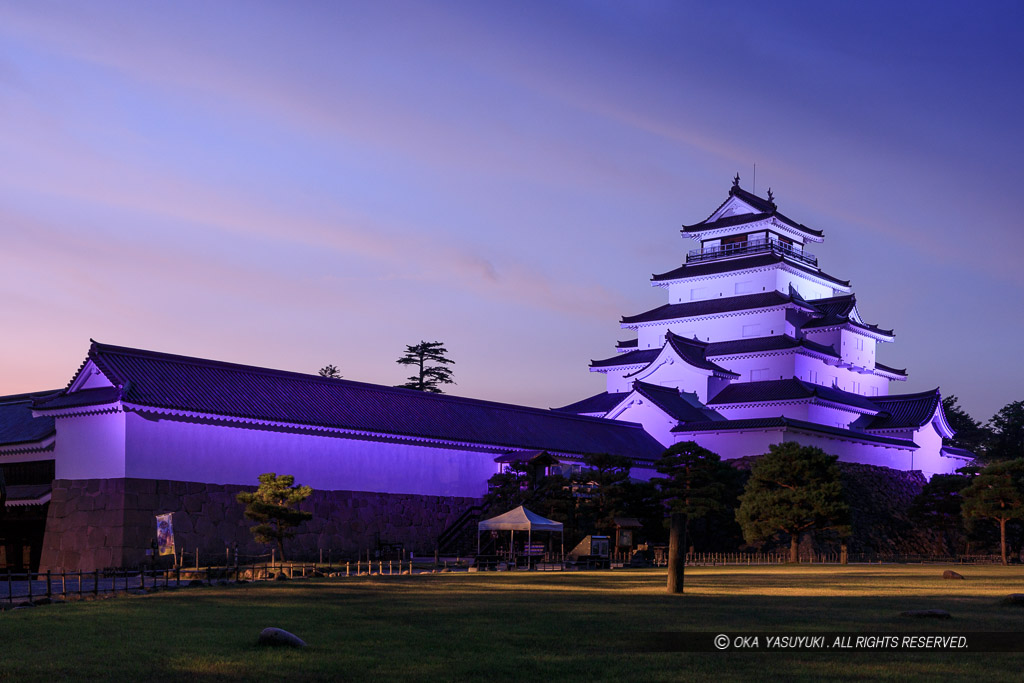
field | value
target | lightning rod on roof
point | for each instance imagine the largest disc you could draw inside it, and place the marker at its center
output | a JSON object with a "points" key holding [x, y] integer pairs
{"points": [[753, 190]]}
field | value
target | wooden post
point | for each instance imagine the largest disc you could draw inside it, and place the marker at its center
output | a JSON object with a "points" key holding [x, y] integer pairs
{"points": [[676, 550], [49, 587], [348, 569], [96, 582]]}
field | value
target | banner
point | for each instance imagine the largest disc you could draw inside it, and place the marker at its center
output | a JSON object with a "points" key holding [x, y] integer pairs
{"points": [[165, 534]]}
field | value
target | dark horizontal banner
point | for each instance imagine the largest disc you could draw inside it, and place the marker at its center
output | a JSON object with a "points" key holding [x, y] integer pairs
{"points": [[825, 641]]}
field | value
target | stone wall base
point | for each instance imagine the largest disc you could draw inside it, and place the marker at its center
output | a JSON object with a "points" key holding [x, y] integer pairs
{"points": [[100, 523]]}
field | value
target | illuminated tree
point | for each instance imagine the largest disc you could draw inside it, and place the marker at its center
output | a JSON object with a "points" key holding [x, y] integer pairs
{"points": [[428, 377], [793, 489], [273, 507]]}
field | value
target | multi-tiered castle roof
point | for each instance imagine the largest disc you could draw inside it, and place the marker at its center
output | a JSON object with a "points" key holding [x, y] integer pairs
{"points": [[757, 345]]}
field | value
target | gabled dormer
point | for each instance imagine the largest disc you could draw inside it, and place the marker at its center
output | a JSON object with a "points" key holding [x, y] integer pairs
{"points": [[683, 364]]}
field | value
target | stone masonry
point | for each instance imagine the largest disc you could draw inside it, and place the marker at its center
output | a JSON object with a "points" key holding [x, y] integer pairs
{"points": [[100, 523]]}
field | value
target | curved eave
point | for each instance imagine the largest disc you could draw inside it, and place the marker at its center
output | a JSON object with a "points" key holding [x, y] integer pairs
{"points": [[876, 334], [810, 400], [665, 279], [632, 322], [777, 221]]}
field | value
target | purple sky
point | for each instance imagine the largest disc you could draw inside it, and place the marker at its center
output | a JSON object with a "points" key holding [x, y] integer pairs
{"points": [[296, 184]]}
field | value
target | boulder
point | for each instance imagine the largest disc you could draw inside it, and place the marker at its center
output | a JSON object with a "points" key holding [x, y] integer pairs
{"points": [[950, 574], [927, 614], [1013, 599], [276, 637], [281, 576]]}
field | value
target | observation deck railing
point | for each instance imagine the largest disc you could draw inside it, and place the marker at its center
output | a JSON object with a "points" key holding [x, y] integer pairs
{"points": [[751, 247]]}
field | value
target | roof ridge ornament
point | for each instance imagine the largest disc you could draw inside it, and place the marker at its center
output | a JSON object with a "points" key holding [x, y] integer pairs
{"points": [[736, 181], [771, 197]]}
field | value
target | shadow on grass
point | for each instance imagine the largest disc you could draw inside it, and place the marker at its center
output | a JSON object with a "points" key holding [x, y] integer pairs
{"points": [[506, 626]]}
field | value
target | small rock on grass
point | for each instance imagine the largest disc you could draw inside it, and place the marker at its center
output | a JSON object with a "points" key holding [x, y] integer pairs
{"points": [[950, 574], [276, 637], [927, 614]]}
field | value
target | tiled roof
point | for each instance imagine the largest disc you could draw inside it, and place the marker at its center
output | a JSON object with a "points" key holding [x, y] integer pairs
{"points": [[837, 310], [767, 208], [709, 307], [727, 222], [905, 411], [835, 306], [955, 452], [631, 358], [775, 343], [886, 368], [17, 425], [160, 380], [598, 403], [21, 495], [741, 263], [628, 344], [788, 390], [786, 422], [681, 406], [694, 352]]}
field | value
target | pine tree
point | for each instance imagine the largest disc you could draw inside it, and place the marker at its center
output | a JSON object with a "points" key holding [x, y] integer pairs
{"points": [[272, 507], [1007, 439], [939, 507], [997, 493], [700, 486], [330, 371], [428, 377], [793, 489]]}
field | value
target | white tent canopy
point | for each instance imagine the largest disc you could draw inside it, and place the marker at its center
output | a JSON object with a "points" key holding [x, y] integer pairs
{"points": [[519, 519]]}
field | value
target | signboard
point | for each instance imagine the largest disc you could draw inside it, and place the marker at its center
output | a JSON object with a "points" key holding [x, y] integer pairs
{"points": [[165, 534]]}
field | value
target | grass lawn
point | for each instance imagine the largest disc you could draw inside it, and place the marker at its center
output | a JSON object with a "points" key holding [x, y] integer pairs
{"points": [[515, 626]]}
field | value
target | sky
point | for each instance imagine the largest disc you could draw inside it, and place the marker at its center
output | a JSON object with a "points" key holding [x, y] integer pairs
{"points": [[295, 184]]}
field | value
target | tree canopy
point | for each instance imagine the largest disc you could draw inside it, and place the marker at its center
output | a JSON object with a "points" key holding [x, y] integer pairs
{"points": [[703, 488], [1007, 433], [429, 360], [330, 371], [791, 490], [997, 493], [273, 507], [970, 433]]}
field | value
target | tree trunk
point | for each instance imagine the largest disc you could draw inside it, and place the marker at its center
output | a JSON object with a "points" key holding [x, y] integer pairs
{"points": [[794, 543], [677, 553], [844, 556], [1002, 538]]}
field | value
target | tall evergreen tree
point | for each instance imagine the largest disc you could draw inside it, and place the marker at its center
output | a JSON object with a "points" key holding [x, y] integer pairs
{"points": [[273, 507], [793, 489], [970, 433], [429, 359], [1007, 439], [997, 493], [938, 507], [608, 477], [702, 487]]}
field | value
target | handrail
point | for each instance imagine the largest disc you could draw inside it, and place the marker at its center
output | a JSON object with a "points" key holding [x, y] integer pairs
{"points": [[751, 247]]}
